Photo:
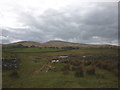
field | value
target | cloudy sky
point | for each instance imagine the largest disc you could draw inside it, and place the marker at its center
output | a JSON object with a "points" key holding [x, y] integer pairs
{"points": [[67, 20]]}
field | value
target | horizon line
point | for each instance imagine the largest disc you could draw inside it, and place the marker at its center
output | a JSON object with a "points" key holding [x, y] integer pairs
{"points": [[61, 41]]}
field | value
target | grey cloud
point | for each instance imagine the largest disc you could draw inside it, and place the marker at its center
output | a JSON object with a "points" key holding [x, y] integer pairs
{"points": [[70, 25]]}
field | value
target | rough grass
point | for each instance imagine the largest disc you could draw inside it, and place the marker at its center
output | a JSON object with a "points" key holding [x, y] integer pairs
{"points": [[36, 49], [29, 79]]}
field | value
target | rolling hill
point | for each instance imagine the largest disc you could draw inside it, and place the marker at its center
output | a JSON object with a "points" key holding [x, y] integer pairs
{"points": [[26, 43], [56, 43], [60, 44]]}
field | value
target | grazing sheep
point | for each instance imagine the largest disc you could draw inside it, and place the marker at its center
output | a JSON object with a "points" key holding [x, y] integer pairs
{"points": [[55, 61], [84, 56]]}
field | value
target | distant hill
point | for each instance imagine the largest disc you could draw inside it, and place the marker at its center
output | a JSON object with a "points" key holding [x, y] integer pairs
{"points": [[60, 44], [26, 43], [56, 43]]}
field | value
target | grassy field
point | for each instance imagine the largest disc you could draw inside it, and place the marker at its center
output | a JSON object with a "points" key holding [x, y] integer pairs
{"points": [[33, 49], [33, 60]]}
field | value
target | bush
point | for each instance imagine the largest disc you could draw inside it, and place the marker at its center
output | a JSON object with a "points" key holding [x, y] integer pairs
{"points": [[87, 63], [91, 70], [14, 74], [108, 65], [74, 68], [80, 71], [80, 67], [100, 64], [66, 68], [76, 62]]}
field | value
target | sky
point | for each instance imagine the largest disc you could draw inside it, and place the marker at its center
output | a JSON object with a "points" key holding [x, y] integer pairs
{"points": [[66, 20]]}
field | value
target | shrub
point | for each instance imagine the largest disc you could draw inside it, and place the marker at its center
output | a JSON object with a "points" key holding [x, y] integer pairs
{"points": [[87, 63], [80, 71], [108, 65], [105, 65], [100, 64], [80, 67], [91, 70], [14, 74], [79, 74], [66, 68], [74, 68], [76, 62]]}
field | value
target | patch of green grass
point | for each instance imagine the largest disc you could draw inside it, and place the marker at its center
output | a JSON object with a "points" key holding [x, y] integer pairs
{"points": [[8, 55], [34, 49]]}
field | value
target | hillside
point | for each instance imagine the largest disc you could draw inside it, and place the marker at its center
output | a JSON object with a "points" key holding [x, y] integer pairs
{"points": [[26, 43], [57, 43], [63, 44]]}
